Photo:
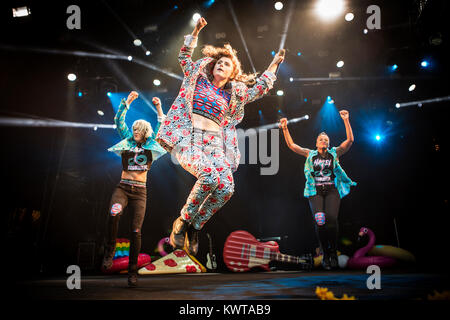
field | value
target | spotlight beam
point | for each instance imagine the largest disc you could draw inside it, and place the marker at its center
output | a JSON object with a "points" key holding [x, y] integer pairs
{"points": [[421, 102], [233, 14], [275, 125], [130, 84], [138, 61], [286, 25], [29, 122], [130, 32], [66, 52], [360, 78], [114, 55]]}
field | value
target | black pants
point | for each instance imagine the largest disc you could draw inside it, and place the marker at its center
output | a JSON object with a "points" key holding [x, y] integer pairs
{"points": [[135, 198], [325, 209]]}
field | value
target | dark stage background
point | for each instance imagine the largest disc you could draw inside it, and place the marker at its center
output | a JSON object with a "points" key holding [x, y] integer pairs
{"points": [[57, 182]]}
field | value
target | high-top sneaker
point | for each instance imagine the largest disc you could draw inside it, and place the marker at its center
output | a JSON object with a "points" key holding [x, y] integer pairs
{"points": [[192, 240], [108, 256], [178, 234], [326, 261], [132, 276], [334, 262]]}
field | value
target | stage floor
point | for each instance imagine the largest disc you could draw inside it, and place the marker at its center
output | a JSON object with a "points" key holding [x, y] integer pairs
{"points": [[276, 285]]}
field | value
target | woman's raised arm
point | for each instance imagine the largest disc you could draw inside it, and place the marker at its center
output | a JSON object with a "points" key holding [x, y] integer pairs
{"points": [[287, 136]]}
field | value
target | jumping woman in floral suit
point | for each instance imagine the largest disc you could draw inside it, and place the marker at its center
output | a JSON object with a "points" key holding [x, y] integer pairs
{"points": [[200, 129]]}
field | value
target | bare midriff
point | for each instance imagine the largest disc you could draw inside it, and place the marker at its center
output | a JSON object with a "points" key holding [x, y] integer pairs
{"points": [[135, 175], [203, 123]]}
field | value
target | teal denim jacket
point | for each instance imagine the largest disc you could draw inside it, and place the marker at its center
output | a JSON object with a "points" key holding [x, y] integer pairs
{"points": [[341, 180], [128, 142]]}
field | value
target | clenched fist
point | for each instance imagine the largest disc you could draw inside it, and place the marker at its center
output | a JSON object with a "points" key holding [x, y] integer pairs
{"points": [[344, 114], [283, 123], [131, 97], [156, 101]]}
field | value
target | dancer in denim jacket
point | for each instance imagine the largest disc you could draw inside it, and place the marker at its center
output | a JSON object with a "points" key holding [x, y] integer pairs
{"points": [[326, 184], [138, 149]]}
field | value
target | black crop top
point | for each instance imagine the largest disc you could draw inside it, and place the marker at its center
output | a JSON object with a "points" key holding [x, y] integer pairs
{"points": [[137, 159], [323, 169]]}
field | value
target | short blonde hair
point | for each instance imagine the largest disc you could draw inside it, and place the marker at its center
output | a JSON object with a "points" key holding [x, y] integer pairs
{"points": [[144, 127], [227, 51]]}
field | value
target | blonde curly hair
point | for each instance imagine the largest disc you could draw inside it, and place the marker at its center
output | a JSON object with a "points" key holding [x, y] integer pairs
{"points": [[227, 51], [143, 127]]}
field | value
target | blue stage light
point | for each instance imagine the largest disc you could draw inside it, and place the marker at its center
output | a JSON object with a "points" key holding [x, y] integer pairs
{"points": [[109, 94], [424, 63], [394, 67], [80, 94], [273, 53], [299, 54], [378, 137]]}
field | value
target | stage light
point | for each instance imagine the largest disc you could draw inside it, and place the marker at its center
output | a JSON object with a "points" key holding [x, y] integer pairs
{"points": [[424, 63], [397, 105], [279, 5], [137, 42], [196, 16], [394, 67], [340, 64], [412, 87], [175, 7], [327, 9], [306, 100], [328, 98], [108, 94], [273, 53], [71, 77], [95, 128], [80, 94], [100, 113], [366, 31], [130, 58], [299, 54], [280, 92], [21, 12], [147, 53], [291, 79], [306, 117], [349, 16], [156, 82], [331, 101], [208, 3], [378, 137]]}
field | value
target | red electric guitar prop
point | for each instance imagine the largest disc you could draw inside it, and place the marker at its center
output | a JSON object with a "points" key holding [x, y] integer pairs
{"points": [[242, 252]]}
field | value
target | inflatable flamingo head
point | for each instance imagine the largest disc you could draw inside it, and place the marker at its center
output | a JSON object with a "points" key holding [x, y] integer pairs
{"points": [[363, 231]]}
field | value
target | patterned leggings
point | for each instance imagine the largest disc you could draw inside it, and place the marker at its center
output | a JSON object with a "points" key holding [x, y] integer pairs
{"points": [[205, 159]]}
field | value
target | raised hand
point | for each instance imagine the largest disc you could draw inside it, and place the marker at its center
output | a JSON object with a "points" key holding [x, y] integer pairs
{"points": [[201, 23], [131, 97], [279, 57], [283, 123], [344, 114], [156, 101]]}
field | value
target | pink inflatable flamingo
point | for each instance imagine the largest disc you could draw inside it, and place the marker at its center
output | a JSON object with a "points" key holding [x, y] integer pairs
{"points": [[360, 261]]}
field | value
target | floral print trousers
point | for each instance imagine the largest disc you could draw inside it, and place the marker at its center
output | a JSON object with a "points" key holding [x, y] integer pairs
{"points": [[205, 159]]}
